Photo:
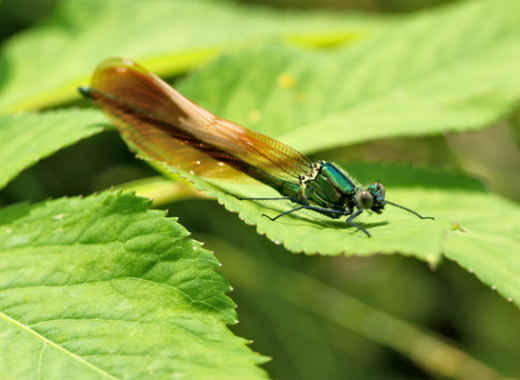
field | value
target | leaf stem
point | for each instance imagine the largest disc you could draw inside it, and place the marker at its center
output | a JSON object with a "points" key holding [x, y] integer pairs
{"points": [[162, 190], [428, 350]]}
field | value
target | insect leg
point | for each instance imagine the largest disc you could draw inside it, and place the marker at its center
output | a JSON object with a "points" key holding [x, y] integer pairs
{"points": [[328, 211], [263, 199], [284, 213], [351, 223]]}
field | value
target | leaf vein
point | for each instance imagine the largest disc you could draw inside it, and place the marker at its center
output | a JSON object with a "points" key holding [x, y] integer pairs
{"points": [[57, 346]]}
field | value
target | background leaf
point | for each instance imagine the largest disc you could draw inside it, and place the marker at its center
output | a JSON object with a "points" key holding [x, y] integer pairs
{"points": [[170, 35], [27, 138], [102, 287], [412, 80]]}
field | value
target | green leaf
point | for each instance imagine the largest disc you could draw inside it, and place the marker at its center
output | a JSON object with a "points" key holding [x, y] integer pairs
{"points": [[486, 242], [455, 69], [168, 36], [103, 288], [465, 216], [313, 233], [27, 138]]}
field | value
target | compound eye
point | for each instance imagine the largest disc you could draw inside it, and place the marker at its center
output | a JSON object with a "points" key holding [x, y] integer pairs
{"points": [[364, 199], [380, 190]]}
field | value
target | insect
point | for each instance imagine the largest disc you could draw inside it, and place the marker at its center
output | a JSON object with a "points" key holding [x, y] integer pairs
{"points": [[168, 128]]}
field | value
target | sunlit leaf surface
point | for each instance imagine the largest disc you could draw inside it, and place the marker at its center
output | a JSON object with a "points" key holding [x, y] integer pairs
{"points": [[478, 230], [103, 288]]}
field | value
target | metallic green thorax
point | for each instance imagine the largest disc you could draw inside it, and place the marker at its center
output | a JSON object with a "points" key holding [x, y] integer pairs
{"points": [[326, 186]]}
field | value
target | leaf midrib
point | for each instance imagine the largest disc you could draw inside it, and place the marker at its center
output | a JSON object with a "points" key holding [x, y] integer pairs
{"points": [[47, 342]]}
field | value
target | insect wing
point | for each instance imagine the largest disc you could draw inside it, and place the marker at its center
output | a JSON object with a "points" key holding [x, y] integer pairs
{"points": [[167, 127]]}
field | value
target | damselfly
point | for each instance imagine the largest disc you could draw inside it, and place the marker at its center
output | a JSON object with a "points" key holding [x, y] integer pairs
{"points": [[166, 127]]}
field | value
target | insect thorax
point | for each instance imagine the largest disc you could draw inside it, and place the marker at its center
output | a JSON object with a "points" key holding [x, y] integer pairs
{"points": [[327, 186], [312, 175]]}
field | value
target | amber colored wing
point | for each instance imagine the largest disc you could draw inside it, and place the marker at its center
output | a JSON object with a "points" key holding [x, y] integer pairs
{"points": [[167, 127]]}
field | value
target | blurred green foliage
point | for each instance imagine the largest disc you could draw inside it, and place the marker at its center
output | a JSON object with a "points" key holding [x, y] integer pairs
{"points": [[365, 5], [449, 300], [16, 15]]}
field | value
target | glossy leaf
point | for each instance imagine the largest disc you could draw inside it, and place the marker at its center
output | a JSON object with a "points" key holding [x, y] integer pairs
{"points": [[103, 288]]}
